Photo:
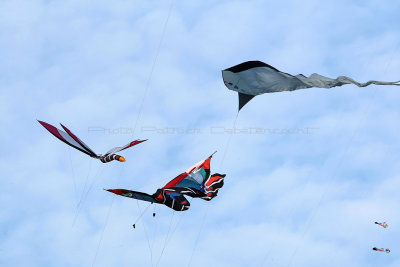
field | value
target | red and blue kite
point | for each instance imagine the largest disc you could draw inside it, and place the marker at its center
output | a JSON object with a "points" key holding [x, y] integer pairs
{"points": [[196, 182]]}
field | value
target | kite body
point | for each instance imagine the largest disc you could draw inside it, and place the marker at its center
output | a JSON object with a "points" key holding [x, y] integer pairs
{"points": [[72, 140], [381, 249], [253, 78], [383, 224], [196, 182]]}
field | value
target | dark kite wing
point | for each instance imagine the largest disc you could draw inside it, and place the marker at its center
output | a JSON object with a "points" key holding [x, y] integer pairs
{"points": [[68, 138], [78, 140], [133, 194], [212, 185]]}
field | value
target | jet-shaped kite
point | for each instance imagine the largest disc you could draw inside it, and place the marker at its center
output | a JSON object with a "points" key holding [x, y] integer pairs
{"points": [[70, 139], [381, 249], [383, 224], [196, 182]]}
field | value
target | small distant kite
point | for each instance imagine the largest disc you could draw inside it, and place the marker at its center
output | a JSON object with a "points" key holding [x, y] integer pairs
{"points": [[381, 249], [383, 224], [196, 182], [70, 139], [253, 78]]}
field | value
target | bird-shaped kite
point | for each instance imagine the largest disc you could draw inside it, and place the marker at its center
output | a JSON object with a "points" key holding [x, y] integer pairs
{"points": [[70, 139], [196, 182]]}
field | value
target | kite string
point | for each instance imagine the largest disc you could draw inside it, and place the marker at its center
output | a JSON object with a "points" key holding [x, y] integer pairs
{"points": [[315, 210], [229, 141], [320, 200], [364, 116], [155, 229], [327, 187], [85, 185], [362, 196], [84, 195], [94, 180], [198, 237], [166, 238], [324, 192], [172, 234], [78, 205], [107, 218], [139, 116], [146, 92], [73, 174], [141, 213], [176, 227], [153, 65], [289, 214], [102, 232], [206, 212], [144, 229]]}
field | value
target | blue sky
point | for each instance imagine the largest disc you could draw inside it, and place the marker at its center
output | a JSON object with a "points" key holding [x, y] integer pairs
{"points": [[291, 197]]}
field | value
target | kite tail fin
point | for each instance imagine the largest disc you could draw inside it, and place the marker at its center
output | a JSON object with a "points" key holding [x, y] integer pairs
{"points": [[212, 185], [244, 99]]}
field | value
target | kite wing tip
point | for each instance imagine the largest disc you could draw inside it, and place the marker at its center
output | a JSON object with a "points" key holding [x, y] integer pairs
{"points": [[244, 99], [138, 141], [63, 126]]}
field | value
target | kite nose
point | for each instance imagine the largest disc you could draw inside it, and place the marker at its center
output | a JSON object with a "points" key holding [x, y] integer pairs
{"points": [[121, 159]]}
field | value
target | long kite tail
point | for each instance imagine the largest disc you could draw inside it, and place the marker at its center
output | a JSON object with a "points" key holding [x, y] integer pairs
{"points": [[348, 80]]}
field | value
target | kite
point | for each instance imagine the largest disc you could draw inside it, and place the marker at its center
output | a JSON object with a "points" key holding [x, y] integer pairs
{"points": [[253, 78], [196, 182], [384, 224], [70, 139], [381, 249]]}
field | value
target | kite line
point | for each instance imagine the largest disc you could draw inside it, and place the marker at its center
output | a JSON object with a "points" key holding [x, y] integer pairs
{"points": [[166, 238], [154, 64], [206, 212], [107, 218], [73, 175], [138, 117], [171, 236], [362, 119], [145, 232]]}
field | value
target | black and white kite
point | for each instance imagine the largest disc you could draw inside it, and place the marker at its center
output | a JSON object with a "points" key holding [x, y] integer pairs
{"points": [[72, 140], [253, 78]]}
